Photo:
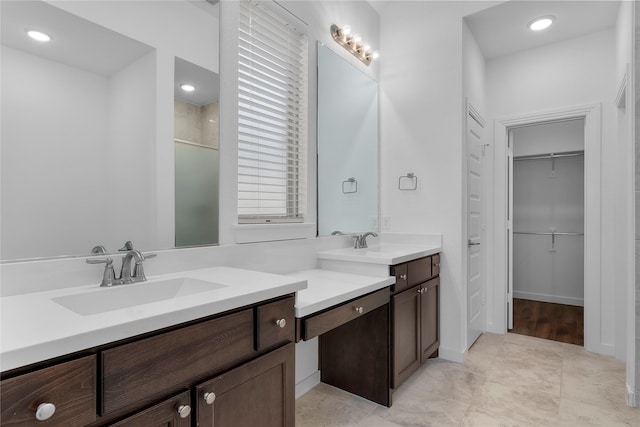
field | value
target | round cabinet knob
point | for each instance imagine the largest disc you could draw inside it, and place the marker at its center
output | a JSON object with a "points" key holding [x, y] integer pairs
{"points": [[403, 276], [184, 411], [281, 322], [210, 398], [45, 411], [359, 310]]}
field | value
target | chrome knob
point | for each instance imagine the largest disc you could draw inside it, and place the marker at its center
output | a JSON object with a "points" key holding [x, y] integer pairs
{"points": [[184, 411], [281, 322], [359, 310], [403, 276], [210, 398], [45, 411]]}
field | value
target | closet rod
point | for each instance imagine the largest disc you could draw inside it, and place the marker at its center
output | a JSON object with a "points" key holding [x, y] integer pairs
{"points": [[550, 156], [556, 233]]}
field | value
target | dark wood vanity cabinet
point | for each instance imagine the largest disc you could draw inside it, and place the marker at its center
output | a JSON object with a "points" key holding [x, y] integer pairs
{"points": [[414, 316], [245, 358]]}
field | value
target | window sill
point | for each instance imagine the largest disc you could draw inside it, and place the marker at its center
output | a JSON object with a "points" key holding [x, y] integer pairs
{"points": [[254, 233]]}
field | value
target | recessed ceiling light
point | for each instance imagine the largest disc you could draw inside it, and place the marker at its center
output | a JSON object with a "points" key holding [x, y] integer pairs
{"points": [[38, 35], [187, 87], [541, 23]]}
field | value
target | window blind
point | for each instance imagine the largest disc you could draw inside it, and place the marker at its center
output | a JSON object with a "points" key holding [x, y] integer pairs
{"points": [[272, 81]]}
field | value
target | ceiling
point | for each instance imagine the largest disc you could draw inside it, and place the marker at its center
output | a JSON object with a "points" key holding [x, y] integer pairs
{"points": [[502, 29], [75, 41], [207, 83]]}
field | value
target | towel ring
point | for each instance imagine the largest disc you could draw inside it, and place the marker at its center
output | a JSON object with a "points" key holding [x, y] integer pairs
{"points": [[408, 182], [351, 181]]}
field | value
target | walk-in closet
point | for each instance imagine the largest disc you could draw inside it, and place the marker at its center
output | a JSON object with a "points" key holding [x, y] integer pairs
{"points": [[548, 230]]}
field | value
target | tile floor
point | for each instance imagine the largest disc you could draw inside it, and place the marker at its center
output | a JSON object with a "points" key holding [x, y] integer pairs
{"points": [[506, 380]]}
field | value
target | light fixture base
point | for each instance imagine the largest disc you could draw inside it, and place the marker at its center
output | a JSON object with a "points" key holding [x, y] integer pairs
{"points": [[347, 42]]}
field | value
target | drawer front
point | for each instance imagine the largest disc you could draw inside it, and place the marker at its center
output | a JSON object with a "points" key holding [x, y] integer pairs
{"points": [[419, 271], [435, 265], [323, 322], [146, 370], [275, 323], [70, 386], [400, 272]]}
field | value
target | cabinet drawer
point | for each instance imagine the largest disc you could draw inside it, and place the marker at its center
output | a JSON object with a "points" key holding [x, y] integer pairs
{"points": [[400, 272], [418, 271], [323, 322], [435, 265], [275, 323], [174, 412], [70, 386], [146, 370]]}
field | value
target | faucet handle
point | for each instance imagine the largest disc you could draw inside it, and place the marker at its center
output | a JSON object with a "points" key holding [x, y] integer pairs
{"points": [[109, 275], [128, 246], [138, 268]]}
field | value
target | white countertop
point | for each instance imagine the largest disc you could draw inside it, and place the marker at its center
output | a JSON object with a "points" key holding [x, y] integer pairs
{"points": [[383, 253], [327, 288], [34, 328]]}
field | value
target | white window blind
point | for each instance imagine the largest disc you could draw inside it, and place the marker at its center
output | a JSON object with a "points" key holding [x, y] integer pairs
{"points": [[272, 81]]}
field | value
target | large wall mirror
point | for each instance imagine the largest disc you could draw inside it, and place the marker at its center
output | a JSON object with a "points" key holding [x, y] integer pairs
{"points": [[89, 156], [347, 146]]}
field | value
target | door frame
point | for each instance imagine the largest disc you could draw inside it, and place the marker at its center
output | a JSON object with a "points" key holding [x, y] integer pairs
{"points": [[592, 114]]}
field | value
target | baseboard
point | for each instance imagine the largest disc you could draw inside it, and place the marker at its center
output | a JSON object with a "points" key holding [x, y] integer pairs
{"points": [[307, 384], [549, 298], [632, 396], [451, 355]]}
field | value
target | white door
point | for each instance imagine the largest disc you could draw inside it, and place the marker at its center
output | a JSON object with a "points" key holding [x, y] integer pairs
{"points": [[475, 297], [510, 231]]}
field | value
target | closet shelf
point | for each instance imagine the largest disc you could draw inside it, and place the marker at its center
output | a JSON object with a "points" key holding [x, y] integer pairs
{"points": [[549, 233], [550, 156]]}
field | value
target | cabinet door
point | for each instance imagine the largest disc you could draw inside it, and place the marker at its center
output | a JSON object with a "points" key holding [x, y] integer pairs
{"points": [[174, 412], [429, 316], [406, 335], [258, 393]]}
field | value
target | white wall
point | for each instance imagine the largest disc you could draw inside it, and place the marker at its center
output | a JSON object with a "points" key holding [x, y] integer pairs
{"points": [[573, 72], [625, 251], [421, 110], [57, 115], [548, 138]]}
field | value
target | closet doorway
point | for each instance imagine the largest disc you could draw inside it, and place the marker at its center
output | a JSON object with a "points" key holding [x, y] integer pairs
{"points": [[546, 249]]}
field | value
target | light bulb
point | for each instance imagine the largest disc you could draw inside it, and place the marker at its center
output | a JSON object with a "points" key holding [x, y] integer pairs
{"points": [[375, 54], [346, 30], [187, 87], [357, 38], [367, 48], [39, 35], [541, 23]]}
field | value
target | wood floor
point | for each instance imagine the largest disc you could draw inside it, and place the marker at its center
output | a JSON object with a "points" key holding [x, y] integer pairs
{"points": [[557, 322]]}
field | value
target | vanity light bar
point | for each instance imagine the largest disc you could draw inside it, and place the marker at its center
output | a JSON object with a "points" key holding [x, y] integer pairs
{"points": [[353, 43]]}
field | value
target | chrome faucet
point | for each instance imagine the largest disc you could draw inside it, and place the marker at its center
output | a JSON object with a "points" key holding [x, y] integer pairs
{"points": [[125, 269], [361, 239], [127, 273]]}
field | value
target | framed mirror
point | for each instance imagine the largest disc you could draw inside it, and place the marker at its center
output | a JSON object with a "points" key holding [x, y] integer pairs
{"points": [[347, 146], [87, 150]]}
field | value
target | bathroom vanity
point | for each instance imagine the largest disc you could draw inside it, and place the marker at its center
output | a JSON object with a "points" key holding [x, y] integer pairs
{"points": [[235, 365]]}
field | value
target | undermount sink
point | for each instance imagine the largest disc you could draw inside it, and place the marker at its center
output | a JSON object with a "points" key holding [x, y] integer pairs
{"points": [[102, 300]]}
